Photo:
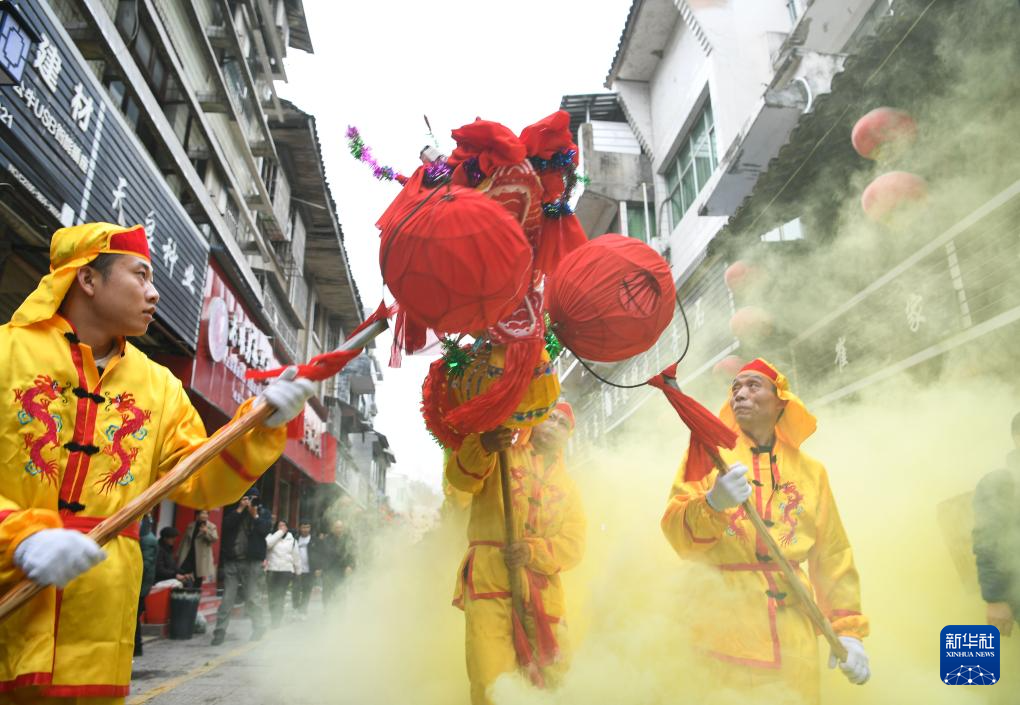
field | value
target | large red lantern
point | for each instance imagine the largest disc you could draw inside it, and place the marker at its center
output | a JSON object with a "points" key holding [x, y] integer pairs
{"points": [[457, 262], [883, 132], [739, 276], [890, 193], [611, 298], [728, 367]]}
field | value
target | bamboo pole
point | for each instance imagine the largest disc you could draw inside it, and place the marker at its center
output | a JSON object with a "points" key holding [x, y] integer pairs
{"points": [[120, 520], [510, 526]]}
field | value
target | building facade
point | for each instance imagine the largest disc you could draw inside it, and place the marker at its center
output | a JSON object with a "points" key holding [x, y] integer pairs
{"points": [[166, 114], [743, 113]]}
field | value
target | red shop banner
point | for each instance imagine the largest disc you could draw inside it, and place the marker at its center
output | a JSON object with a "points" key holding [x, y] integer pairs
{"points": [[229, 344]]}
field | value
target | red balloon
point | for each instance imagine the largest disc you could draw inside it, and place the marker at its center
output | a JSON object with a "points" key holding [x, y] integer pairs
{"points": [[751, 323], [459, 263], [890, 192], [881, 130], [611, 298]]}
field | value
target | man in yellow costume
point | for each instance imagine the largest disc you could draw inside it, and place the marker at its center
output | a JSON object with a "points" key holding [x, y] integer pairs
{"points": [[91, 423], [551, 529], [758, 640]]}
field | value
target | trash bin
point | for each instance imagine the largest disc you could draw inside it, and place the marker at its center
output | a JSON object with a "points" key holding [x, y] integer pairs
{"points": [[183, 610]]}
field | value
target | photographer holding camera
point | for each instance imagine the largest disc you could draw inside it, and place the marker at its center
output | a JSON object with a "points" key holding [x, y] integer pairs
{"points": [[241, 555]]}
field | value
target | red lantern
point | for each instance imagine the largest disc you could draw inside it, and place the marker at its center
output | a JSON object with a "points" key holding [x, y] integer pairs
{"points": [[611, 298], [891, 192], [728, 367], [458, 263], [739, 276], [883, 131], [751, 323]]}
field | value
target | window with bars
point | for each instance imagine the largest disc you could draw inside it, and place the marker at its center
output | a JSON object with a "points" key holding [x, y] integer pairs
{"points": [[689, 171]]}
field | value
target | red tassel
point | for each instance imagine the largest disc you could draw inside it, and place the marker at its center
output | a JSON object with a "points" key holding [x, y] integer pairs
{"points": [[558, 237], [523, 650], [487, 411], [327, 364], [707, 431], [409, 336]]}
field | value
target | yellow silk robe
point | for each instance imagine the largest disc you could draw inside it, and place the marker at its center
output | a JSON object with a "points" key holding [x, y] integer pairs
{"points": [[74, 448], [763, 626], [549, 518]]}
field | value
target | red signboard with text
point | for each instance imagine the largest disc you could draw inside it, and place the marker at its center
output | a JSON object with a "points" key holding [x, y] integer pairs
{"points": [[229, 344]]}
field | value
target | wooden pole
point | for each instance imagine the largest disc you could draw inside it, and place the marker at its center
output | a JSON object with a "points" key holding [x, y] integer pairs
{"points": [[516, 586], [120, 520]]}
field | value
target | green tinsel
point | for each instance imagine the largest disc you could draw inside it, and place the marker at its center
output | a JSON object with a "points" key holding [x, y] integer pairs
{"points": [[553, 346], [455, 358]]}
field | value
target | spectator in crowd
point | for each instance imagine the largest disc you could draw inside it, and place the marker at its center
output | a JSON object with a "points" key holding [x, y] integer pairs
{"points": [[996, 539], [303, 580], [195, 551], [282, 562], [166, 566], [242, 551], [337, 555]]}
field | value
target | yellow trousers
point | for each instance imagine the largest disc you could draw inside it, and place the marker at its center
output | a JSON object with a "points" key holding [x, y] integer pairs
{"points": [[489, 646]]}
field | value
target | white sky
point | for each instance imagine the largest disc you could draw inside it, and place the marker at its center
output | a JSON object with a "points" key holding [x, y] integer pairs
{"points": [[380, 66]]}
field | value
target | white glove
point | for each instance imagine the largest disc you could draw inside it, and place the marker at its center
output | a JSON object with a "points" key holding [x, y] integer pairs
{"points": [[288, 396], [729, 490], [855, 668], [57, 556]]}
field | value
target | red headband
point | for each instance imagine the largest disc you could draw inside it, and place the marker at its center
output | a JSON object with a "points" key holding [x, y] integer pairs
{"points": [[133, 241], [761, 367]]}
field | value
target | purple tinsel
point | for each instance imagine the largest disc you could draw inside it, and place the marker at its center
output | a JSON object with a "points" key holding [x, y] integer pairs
{"points": [[437, 172]]}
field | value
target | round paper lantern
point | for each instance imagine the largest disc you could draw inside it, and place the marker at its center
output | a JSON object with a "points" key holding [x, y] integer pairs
{"points": [[739, 276], [728, 367], [751, 323], [459, 263], [882, 132], [611, 298], [891, 192]]}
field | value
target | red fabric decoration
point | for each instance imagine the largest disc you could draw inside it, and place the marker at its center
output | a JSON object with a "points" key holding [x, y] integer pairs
{"points": [[881, 131], [409, 336], [891, 192], [435, 404], [558, 238], [761, 367], [568, 410], [487, 411], [611, 298], [708, 432], [409, 197], [493, 144], [549, 135], [457, 262], [330, 363]]}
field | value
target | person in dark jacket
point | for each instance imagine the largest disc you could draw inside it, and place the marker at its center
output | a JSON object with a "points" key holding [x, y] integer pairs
{"points": [[996, 539], [242, 551], [335, 559], [166, 564], [149, 546]]}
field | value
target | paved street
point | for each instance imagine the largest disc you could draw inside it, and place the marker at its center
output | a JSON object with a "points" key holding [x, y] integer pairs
{"points": [[192, 671]]}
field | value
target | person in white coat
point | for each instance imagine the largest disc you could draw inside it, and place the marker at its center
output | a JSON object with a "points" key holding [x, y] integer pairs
{"points": [[282, 562]]}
